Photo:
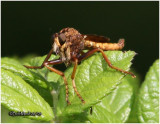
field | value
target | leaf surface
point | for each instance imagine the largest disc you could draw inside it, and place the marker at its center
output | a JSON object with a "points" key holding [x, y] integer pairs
{"points": [[116, 106], [18, 96], [94, 80], [148, 101], [32, 77]]}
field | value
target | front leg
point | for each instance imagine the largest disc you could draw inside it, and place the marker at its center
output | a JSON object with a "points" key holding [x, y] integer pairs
{"points": [[46, 63], [73, 80], [46, 60]]}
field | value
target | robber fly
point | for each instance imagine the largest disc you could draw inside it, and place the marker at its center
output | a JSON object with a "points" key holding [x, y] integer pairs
{"points": [[68, 44]]}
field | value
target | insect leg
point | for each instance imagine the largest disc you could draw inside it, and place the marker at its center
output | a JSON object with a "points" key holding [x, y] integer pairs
{"points": [[73, 80], [91, 52], [46, 59], [52, 62], [46, 64]]}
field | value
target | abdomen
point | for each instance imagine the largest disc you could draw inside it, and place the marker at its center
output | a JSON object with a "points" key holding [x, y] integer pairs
{"points": [[104, 46]]}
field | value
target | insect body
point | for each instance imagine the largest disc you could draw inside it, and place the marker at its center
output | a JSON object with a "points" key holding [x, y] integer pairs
{"points": [[69, 43]]}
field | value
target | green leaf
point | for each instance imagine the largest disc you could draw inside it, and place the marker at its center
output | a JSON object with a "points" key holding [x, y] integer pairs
{"points": [[33, 78], [53, 77], [102, 114], [148, 102], [94, 80], [133, 117], [17, 95], [24, 59], [116, 107]]}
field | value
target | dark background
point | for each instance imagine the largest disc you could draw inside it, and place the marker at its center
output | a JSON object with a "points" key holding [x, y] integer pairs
{"points": [[27, 26]]}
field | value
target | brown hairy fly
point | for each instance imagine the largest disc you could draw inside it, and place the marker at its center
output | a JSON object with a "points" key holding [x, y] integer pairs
{"points": [[68, 44]]}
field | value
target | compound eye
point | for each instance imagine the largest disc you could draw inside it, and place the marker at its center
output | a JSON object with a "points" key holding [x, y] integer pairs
{"points": [[62, 38]]}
